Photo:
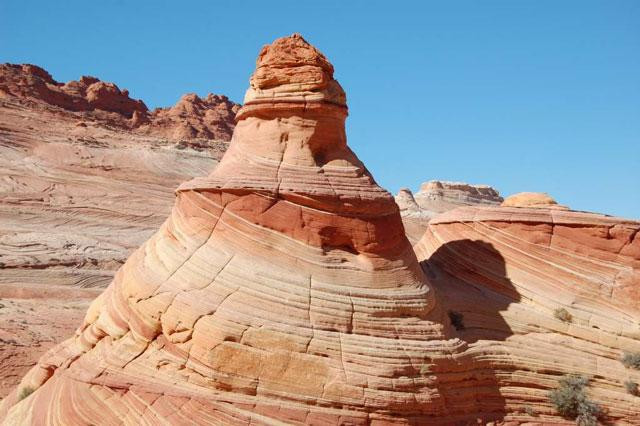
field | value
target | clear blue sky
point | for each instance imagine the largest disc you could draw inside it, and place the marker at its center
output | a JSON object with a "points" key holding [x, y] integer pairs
{"points": [[527, 95]]}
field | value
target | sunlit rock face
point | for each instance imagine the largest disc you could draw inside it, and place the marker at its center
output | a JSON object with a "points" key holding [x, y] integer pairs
{"points": [[435, 197], [508, 272], [281, 288]]}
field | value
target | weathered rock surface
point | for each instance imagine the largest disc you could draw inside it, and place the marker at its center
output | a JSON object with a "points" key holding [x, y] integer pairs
{"points": [[79, 191], [78, 194], [33, 321], [281, 288], [436, 197], [104, 103], [532, 200], [505, 270]]}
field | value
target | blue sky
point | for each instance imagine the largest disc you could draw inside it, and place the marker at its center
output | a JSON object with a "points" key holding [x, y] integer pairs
{"points": [[527, 95]]}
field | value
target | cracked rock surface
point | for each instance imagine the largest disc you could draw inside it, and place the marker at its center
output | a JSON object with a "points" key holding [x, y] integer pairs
{"points": [[282, 289]]}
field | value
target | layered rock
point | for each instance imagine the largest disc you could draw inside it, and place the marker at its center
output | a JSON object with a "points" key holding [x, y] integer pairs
{"points": [[104, 103], [506, 272], [532, 200], [436, 197], [78, 193], [281, 288], [440, 196], [192, 117]]}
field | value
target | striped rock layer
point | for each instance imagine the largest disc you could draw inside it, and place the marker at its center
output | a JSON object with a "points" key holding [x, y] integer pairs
{"points": [[508, 272], [281, 289]]}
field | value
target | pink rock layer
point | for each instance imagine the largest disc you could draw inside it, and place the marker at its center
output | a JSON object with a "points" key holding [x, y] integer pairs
{"points": [[506, 270], [281, 288]]}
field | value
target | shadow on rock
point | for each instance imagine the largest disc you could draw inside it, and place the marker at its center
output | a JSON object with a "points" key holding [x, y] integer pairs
{"points": [[472, 289]]}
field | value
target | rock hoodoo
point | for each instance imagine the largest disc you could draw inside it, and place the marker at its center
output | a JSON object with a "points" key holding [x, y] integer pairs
{"points": [[281, 287]]}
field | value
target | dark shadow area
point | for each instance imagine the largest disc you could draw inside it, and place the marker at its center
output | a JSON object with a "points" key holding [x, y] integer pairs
{"points": [[472, 288]]}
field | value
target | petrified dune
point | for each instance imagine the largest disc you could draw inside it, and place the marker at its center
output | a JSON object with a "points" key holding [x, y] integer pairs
{"points": [[282, 290], [507, 269], [80, 188]]}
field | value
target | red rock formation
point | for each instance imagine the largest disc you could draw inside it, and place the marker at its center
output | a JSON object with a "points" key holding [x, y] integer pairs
{"points": [[192, 117], [79, 191], [436, 197], [506, 270], [281, 288], [86, 94]]}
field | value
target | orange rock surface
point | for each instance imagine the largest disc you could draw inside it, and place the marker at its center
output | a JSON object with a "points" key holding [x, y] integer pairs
{"points": [[281, 287], [282, 290], [532, 200], [80, 189], [506, 270]]}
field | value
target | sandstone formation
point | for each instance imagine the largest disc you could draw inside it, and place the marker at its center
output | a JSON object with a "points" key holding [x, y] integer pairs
{"points": [[280, 289], [436, 197], [192, 117], [104, 103], [33, 321], [532, 200], [505, 271], [78, 194], [79, 191]]}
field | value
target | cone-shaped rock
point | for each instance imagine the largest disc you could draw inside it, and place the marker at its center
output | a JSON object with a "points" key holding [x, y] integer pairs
{"points": [[281, 289]]}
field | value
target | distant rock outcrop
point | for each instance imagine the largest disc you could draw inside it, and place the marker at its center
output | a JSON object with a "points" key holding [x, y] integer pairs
{"points": [[192, 117], [212, 117], [532, 200], [86, 94], [436, 197]]}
